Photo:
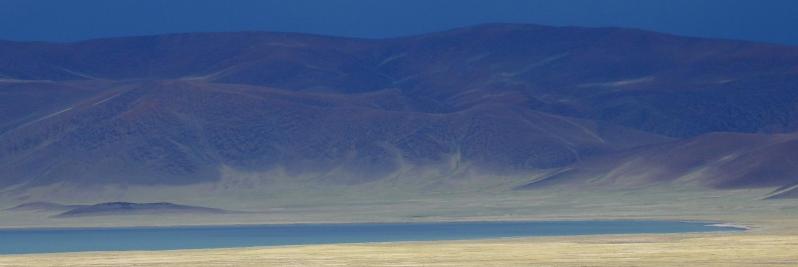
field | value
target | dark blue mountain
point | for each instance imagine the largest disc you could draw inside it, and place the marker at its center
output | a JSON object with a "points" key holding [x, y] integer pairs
{"points": [[501, 99]]}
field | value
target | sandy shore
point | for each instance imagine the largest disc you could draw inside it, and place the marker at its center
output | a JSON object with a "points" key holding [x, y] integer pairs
{"points": [[769, 243], [727, 249]]}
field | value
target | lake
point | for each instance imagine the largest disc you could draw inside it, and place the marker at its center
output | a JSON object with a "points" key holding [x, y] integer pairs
{"points": [[17, 241]]}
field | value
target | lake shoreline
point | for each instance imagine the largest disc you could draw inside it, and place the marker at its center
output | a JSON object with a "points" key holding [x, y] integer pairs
{"points": [[676, 249], [26, 241], [713, 223], [772, 232]]}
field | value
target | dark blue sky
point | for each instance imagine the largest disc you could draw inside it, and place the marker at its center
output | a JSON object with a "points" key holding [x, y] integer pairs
{"points": [[68, 20]]}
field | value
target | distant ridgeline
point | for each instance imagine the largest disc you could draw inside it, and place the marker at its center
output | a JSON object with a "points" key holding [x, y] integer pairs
{"points": [[115, 208], [617, 107]]}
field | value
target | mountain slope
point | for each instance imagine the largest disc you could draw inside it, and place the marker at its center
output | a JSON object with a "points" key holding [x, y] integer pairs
{"points": [[666, 84], [719, 160], [630, 107], [184, 132]]}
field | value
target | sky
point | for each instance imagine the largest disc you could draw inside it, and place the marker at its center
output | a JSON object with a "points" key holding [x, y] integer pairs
{"points": [[773, 21]]}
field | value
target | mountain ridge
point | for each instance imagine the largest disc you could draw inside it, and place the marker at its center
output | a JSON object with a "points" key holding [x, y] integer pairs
{"points": [[505, 99]]}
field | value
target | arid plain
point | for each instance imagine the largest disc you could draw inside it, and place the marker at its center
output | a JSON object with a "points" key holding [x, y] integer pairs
{"points": [[738, 249]]}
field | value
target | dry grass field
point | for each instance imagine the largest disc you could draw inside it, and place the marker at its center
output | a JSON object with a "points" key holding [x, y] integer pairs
{"points": [[755, 248]]}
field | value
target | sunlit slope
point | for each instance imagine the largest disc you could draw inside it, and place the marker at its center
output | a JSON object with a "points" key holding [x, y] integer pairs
{"points": [[718, 160]]}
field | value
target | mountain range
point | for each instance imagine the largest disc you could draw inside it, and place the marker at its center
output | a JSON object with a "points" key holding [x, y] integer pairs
{"points": [[587, 107]]}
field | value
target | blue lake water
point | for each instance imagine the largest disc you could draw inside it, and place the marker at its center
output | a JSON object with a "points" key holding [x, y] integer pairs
{"points": [[16, 241]]}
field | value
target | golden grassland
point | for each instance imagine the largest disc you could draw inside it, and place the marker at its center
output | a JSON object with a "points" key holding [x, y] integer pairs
{"points": [[744, 249], [775, 244]]}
